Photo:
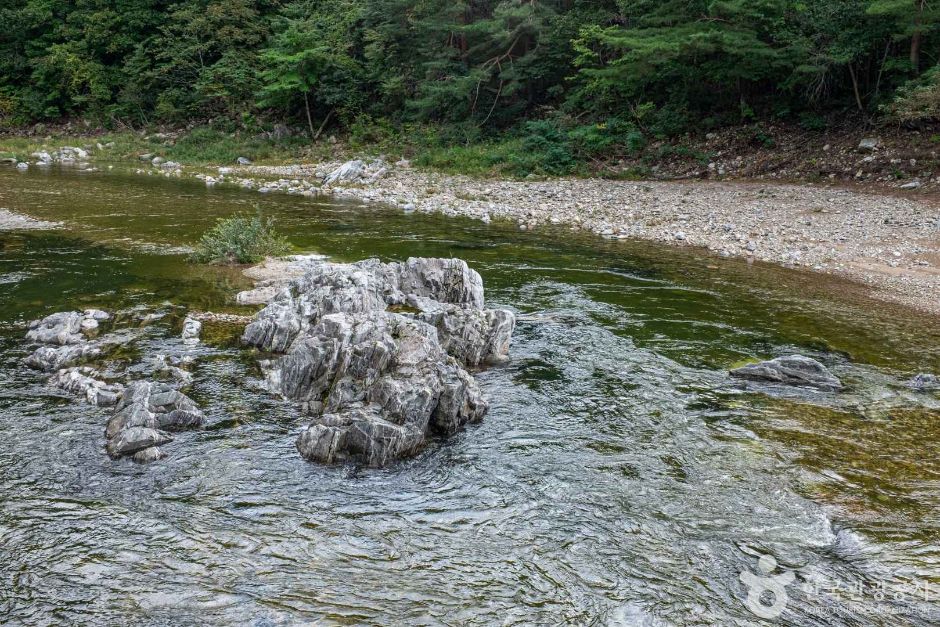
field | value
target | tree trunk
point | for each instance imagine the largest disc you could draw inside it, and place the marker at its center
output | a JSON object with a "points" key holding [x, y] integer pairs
{"points": [[323, 125], [858, 96], [309, 119]]}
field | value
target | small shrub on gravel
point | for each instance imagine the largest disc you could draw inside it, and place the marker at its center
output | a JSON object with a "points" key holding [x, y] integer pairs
{"points": [[240, 239]]}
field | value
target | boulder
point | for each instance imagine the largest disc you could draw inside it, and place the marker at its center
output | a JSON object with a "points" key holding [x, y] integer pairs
{"points": [[474, 337], [376, 353], [364, 286], [49, 358], [380, 381], [85, 382], [147, 411], [64, 327], [154, 405], [191, 330], [349, 172], [64, 337], [790, 370]]}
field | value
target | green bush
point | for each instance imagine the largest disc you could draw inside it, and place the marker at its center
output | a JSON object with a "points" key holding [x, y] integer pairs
{"points": [[240, 239]]}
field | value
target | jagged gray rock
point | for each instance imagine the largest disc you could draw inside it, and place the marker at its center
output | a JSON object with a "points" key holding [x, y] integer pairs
{"points": [[382, 380], [85, 382], [364, 286], [191, 330], [59, 328], [155, 408], [350, 171], [65, 327], [475, 337], [790, 370], [49, 358], [375, 351]]}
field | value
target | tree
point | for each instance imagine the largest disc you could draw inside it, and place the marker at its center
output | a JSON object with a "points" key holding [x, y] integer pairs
{"points": [[913, 20], [311, 58]]}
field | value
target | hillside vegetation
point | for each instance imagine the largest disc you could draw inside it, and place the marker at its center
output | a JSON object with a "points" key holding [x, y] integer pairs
{"points": [[552, 82]]}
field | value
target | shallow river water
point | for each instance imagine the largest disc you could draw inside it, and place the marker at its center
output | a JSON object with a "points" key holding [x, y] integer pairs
{"points": [[620, 476]]}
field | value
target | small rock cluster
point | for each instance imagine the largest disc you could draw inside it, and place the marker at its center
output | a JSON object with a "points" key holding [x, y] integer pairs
{"points": [[378, 352], [66, 339], [350, 173], [144, 411], [66, 155]]}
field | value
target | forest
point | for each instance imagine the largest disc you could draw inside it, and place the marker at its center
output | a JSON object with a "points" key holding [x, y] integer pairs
{"points": [[596, 72]]}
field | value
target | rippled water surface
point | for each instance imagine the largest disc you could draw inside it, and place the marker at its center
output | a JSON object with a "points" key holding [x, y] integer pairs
{"points": [[620, 476]]}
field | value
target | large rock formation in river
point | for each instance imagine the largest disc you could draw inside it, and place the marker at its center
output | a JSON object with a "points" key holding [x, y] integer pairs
{"points": [[377, 353]]}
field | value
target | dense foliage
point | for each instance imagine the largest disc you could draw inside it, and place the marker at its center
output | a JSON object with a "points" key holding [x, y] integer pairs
{"points": [[470, 67], [240, 239]]}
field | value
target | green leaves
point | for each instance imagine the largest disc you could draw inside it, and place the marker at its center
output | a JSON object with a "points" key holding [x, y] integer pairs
{"points": [[240, 239], [476, 66]]}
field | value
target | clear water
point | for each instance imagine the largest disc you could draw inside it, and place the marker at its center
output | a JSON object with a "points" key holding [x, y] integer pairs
{"points": [[619, 478]]}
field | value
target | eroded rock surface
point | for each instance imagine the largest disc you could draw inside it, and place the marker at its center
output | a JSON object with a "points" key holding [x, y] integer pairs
{"points": [[191, 330], [86, 382], [790, 370], [146, 412], [376, 352]]}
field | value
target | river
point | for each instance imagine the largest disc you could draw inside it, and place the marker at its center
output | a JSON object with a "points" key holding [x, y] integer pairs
{"points": [[620, 477]]}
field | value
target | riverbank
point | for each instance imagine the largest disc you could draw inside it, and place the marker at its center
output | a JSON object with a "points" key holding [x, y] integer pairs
{"points": [[889, 243], [870, 231]]}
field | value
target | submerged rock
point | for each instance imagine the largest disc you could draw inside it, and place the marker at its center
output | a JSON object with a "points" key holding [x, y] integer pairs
{"points": [[135, 439], [924, 381], [790, 370], [376, 352]]}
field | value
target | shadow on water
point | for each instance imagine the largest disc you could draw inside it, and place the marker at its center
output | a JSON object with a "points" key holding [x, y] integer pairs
{"points": [[620, 476]]}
